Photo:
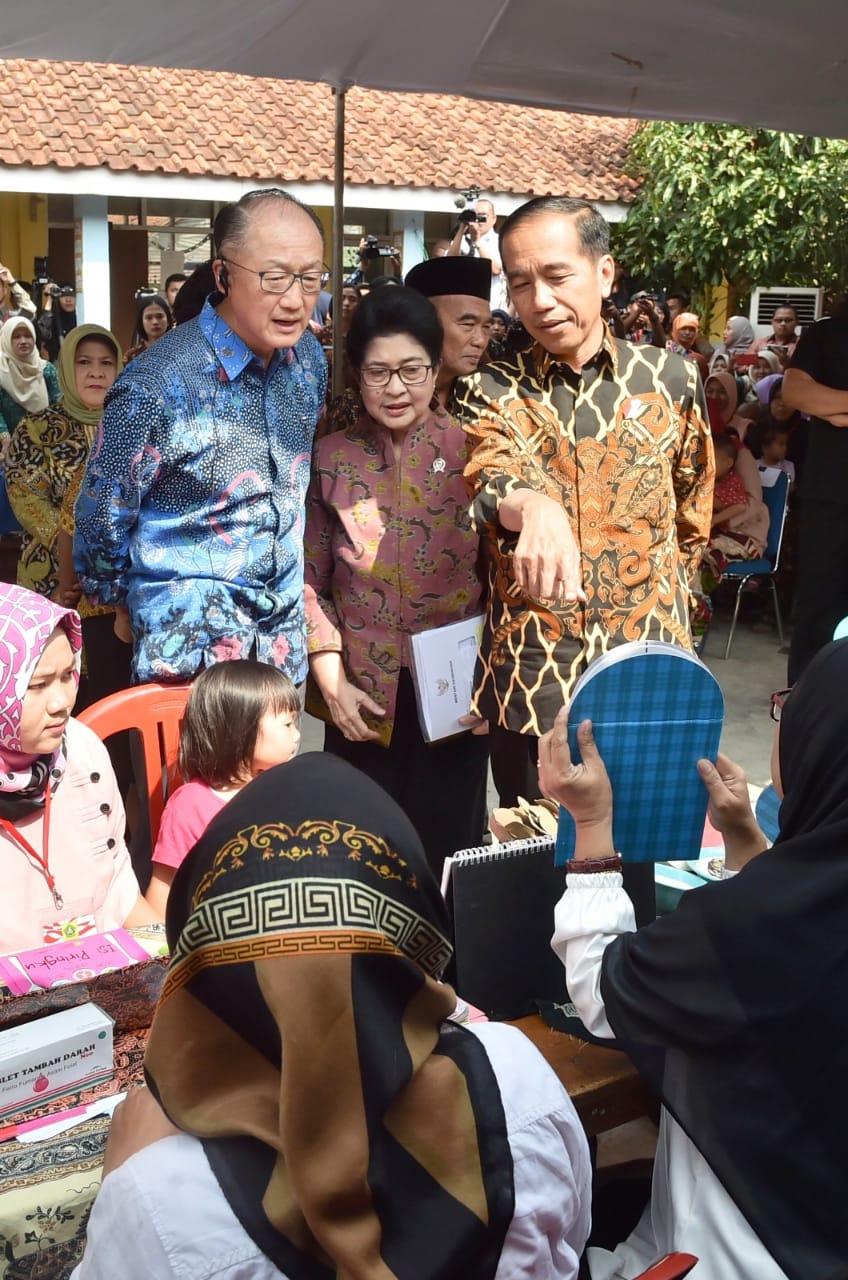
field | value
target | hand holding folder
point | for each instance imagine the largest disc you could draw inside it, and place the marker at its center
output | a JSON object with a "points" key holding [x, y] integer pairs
{"points": [[443, 661]]}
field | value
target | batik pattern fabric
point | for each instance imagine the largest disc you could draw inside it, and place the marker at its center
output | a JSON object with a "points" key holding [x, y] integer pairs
{"points": [[343, 411], [351, 1129], [390, 550], [47, 1188], [46, 452], [85, 607], [624, 447], [191, 511]]}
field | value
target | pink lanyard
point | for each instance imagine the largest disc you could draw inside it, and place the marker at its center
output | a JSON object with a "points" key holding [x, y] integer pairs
{"points": [[42, 859]]}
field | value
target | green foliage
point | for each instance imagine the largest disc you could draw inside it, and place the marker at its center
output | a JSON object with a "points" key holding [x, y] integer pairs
{"points": [[756, 207]]}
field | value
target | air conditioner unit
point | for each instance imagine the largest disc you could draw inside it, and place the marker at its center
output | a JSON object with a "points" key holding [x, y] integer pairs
{"points": [[764, 302]]}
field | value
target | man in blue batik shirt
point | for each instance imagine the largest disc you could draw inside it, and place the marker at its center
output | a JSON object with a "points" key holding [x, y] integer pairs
{"points": [[190, 515]]}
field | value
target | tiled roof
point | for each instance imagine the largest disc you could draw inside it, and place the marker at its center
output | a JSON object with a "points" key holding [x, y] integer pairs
{"points": [[216, 124]]}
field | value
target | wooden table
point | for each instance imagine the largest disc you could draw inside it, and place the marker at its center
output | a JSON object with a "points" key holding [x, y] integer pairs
{"points": [[604, 1085]]}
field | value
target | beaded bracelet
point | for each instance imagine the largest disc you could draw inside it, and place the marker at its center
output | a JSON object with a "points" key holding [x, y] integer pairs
{"points": [[593, 866]]}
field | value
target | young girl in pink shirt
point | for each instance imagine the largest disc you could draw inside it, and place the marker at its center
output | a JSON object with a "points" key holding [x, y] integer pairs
{"points": [[241, 718]]}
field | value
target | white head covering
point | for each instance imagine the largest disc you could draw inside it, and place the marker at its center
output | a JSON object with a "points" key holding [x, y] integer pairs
{"points": [[23, 380]]}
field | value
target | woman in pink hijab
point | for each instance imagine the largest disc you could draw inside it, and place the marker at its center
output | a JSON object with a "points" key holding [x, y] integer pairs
{"points": [[66, 869], [723, 404]]}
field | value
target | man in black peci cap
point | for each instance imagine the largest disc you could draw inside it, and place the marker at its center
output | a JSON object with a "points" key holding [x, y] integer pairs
{"points": [[459, 290]]}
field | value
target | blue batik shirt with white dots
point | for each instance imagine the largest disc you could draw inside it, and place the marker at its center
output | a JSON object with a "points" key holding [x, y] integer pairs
{"points": [[191, 510]]}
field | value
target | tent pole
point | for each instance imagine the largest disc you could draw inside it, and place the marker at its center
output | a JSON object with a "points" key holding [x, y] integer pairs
{"points": [[338, 241]]}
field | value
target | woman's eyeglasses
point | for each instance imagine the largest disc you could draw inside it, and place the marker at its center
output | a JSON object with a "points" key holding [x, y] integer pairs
{"points": [[378, 375], [777, 703]]}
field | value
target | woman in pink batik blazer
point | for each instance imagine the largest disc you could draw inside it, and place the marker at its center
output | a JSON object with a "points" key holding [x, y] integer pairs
{"points": [[390, 552]]}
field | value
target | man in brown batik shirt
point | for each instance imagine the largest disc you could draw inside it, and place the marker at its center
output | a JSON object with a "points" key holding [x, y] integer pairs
{"points": [[591, 479]]}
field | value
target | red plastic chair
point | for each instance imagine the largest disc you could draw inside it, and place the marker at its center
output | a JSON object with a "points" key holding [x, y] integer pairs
{"points": [[674, 1266], [155, 711]]}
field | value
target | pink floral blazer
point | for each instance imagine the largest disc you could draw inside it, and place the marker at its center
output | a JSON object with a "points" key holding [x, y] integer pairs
{"points": [[389, 548]]}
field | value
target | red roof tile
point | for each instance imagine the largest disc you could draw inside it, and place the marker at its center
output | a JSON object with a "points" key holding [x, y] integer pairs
{"points": [[223, 125]]}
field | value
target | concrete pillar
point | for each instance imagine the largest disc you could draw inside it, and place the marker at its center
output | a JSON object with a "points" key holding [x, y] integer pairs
{"points": [[411, 223], [91, 259]]}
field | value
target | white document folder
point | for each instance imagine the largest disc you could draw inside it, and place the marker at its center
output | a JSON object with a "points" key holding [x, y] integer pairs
{"points": [[443, 670]]}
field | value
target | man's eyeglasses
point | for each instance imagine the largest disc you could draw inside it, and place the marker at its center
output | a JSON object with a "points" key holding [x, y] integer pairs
{"points": [[777, 703], [379, 375], [282, 281]]}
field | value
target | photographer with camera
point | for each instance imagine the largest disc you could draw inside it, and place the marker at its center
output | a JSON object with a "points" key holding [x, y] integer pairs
{"points": [[14, 299], [644, 320], [474, 236], [375, 260], [57, 316]]}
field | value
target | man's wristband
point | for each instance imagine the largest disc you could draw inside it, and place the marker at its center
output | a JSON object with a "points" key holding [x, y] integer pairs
{"points": [[593, 866]]}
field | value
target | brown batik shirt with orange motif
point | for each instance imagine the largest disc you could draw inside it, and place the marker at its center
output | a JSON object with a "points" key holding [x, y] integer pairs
{"points": [[625, 447]]}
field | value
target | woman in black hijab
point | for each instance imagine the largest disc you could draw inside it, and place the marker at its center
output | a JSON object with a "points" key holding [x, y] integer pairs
{"points": [[735, 1007], [326, 1119]]}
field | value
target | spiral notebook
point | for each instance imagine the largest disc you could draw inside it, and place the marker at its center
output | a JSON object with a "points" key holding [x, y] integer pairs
{"points": [[656, 710], [501, 899]]}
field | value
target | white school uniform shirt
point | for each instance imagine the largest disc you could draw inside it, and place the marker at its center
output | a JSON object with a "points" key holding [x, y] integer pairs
{"points": [[166, 1201], [689, 1210]]}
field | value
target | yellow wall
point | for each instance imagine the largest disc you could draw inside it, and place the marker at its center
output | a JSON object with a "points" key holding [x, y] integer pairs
{"points": [[325, 217], [23, 232], [719, 310]]}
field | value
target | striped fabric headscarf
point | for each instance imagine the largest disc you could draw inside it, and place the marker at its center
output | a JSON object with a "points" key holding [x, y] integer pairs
{"points": [[301, 1036]]}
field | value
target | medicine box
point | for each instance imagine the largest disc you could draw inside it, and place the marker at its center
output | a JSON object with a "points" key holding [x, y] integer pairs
{"points": [[53, 1056]]}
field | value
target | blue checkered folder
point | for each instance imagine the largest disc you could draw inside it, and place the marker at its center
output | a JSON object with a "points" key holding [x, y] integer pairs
{"points": [[656, 710]]}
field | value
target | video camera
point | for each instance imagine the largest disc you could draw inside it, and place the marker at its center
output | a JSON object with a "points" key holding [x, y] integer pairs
{"points": [[470, 215], [373, 249], [40, 276]]}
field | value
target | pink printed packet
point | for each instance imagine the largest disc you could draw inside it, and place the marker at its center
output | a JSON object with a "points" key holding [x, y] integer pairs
{"points": [[69, 961]]}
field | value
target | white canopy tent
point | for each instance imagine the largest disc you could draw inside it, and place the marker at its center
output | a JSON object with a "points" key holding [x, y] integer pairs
{"points": [[779, 66]]}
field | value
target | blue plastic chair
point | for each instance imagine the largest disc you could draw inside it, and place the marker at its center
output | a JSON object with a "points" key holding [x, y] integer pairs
{"points": [[741, 571]]}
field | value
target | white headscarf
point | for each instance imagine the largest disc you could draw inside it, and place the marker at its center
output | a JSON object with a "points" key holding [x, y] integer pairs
{"points": [[23, 380]]}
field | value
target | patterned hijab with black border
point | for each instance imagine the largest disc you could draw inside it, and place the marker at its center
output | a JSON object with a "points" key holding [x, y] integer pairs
{"points": [[301, 1036]]}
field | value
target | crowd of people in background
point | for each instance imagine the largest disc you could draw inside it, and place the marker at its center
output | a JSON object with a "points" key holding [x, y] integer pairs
{"points": [[47, 423], [207, 507]]}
